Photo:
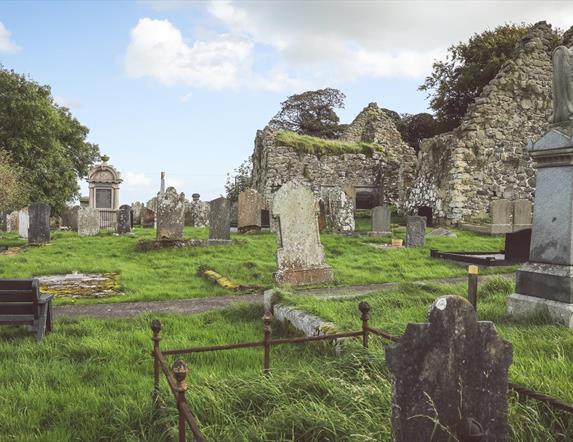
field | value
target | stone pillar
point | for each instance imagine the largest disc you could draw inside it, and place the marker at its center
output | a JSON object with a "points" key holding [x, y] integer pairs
{"points": [[124, 219], [381, 221], [220, 219], [545, 282], [415, 231], [39, 227]]}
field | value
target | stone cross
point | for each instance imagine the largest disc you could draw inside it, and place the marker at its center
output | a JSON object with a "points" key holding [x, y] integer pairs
{"points": [[450, 377], [23, 223], [170, 214], [220, 219], [300, 255], [124, 219], [250, 205], [415, 231], [88, 221], [381, 221], [39, 228]]}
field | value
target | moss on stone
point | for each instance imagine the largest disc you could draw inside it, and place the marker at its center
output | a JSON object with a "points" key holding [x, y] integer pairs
{"points": [[314, 145]]}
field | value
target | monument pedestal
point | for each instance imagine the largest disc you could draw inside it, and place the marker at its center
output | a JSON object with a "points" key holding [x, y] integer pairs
{"points": [[314, 275], [523, 306]]}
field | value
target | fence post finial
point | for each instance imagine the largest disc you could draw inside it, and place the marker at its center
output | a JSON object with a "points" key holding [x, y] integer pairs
{"points": [[364, 308], [180, 371], [156, 338]]}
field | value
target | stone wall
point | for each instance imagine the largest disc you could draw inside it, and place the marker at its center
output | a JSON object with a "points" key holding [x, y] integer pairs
{"points": [[461, 171], [386, 173]]}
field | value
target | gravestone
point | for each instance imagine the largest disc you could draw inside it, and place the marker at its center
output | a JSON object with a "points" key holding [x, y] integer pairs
{"points": [[450, 377], [300, 255], [197, 212], [3, 221], [339, 210], [220, 219], [12, 222], [249, 215], [23, 223], [124, 219], [39, 227], [501, 216], [70, 218], [170, 214], [136, 209], [381, 221], [415, 231], [522, 215], [88, 221], [147, 218]]}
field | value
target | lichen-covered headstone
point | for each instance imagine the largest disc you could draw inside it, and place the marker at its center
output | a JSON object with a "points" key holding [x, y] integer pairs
{"points": [[147, 218], [197, 212], [124, 219], [12, 222], [450, 377], [300, 255], [220, 219], [39, 227], [340, 210], [170, 214], [88, 221], [381, 221], [415, 231], [249, 216], [23, 223], [522, 214]]}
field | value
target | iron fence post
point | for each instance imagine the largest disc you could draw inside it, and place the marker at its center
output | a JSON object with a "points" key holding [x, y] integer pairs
{"points": [[364, 308], [267, 318], [180, 371], [156, 328], [473, 285]]}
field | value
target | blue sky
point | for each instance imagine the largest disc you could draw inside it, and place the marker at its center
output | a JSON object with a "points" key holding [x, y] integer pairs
{"points": [[182, 87]]}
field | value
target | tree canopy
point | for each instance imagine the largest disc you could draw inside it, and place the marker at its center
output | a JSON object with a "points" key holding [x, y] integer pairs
{"points": [[43, 140], [12, 188], [456, 81], [311, 113], [239, 180]]}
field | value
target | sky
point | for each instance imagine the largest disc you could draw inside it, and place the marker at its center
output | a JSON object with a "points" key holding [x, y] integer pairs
{"points": [[183, 86]]}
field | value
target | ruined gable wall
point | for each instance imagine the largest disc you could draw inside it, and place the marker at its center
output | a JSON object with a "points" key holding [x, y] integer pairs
{"points": [[460, 172]]}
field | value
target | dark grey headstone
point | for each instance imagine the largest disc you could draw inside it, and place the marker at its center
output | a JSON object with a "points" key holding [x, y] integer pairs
{"points": [[415, 231], [447, 372], [124, 219], [220, 219], [39, 226]]}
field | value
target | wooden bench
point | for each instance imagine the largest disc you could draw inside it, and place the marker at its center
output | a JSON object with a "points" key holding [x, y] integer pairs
{"points": [[22, 304]]}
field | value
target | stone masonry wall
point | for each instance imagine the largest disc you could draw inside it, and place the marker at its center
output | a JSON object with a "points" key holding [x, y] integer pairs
{"points": [[461, 171]]}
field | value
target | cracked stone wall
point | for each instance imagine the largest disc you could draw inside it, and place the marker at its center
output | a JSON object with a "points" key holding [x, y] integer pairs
{"points": [[460, 172]]}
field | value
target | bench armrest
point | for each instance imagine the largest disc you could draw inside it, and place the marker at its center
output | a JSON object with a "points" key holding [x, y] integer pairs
{"points": [[45, 298]]}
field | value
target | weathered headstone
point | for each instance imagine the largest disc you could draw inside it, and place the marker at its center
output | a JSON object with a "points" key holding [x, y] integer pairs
{"points": [[450, 377], [300, 255], [340, 210], [137, 208], [522, 215], [88, 221], [12, 222], [170, 214], [250, 205], [147, 218], [39, 226], [124, 219], [501, 216], [197, 212], [3, 221], [415, 231], [23, 223], [381, 221], [220, 219]]}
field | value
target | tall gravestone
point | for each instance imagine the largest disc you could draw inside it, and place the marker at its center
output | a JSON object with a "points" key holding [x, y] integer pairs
{"points": [[501, 211], [415, 231], [124, 219], [220, 219], [88, 221], [39, 226], [23, 223], [450, 377], [300, 255], [522, 214], [381, 221], [545, 282], [340, 210], [249, 215], [170, 214]]}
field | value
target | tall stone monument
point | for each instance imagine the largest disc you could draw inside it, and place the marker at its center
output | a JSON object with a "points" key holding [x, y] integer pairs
{"points": [[104, 181], [23, 223], [300, 255], [39, 227], [170, 214], [124, 219], [450, 377], [545, 282], [381, 221], [220, 219], [250, 205]]}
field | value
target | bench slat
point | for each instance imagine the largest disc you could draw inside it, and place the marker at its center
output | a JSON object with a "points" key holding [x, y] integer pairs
{"points": [[17, 320], [13, 308], [16, 295], [16, 284]]}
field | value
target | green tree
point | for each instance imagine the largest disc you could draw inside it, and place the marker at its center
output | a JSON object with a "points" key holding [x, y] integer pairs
{"points": [[311, 113], [12, 188], [456, 81], [416, 127], [43, 139], [239, 180]]}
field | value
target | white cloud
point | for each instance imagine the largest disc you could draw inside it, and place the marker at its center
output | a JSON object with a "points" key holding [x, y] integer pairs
{"points": [[6, 44], [137, 180]]}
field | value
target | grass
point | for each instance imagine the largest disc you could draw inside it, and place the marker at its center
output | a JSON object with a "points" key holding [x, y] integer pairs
{"points": [[314, 145], [174, 273]]}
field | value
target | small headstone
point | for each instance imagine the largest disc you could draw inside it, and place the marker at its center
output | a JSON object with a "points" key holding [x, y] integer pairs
{"points": [[300, 255], [23, 223], [147, 218], [450, 377], [415, 231], [39, 228], [501, 216], [522, 214], [220, 219], [124, 219], [381, 221], [249, 216], [88, 221], [170, 214]]}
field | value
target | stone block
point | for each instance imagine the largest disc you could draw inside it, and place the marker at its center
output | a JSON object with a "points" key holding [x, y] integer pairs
{"points": [[523, 306]]}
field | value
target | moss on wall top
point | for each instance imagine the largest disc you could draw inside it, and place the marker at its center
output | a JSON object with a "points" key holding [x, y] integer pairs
{"points": [[314, 145]]}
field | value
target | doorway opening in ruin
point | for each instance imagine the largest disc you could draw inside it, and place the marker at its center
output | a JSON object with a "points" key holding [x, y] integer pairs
{"points": [[364, 200], [428, 213], [265, 219]]}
